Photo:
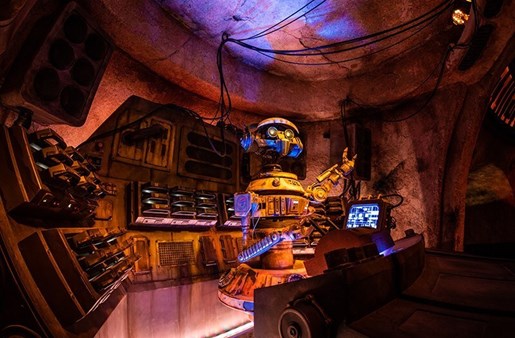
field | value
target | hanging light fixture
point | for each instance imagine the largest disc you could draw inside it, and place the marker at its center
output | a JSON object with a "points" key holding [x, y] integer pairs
{"points": [[459, 18], [461, 13]]}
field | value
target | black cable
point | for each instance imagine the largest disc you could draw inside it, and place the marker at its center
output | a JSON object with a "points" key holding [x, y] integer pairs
{"points": [[351, 187], [266, 32], [367, 106], [225, 103], [401, 199], [224, 106], [432, 19], [300, 52], [439, 65], [349, 59]]}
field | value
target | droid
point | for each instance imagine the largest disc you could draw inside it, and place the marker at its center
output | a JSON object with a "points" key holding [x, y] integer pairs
{"points": [[274, 210]]}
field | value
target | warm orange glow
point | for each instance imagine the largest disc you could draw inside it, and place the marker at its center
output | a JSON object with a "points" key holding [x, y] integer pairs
{"points": [[459, 18]]}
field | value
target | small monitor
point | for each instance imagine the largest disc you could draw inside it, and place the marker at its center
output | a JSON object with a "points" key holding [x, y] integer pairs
{"points": [[366, 214]]}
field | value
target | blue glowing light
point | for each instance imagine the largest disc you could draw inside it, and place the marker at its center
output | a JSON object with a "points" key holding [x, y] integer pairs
{"points": [[338, 29], [260, 247], [248, 306], [295, 151], [246, 141]]}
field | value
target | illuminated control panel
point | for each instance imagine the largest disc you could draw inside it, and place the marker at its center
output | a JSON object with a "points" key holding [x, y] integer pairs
{"points": [[363, 215], [372, 215], [272, 205]]}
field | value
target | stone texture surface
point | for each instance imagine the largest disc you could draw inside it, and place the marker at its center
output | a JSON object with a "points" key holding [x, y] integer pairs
{"points": [[490, 203], [153, 36], [425, 158], [330, 22]]}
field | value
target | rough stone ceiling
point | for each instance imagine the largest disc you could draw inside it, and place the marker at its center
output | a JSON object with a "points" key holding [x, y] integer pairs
{"points": [[319, 23], [178, 39]]}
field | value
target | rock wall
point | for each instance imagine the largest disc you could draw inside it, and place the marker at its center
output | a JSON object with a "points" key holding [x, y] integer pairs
{"points": [[408, 157]]}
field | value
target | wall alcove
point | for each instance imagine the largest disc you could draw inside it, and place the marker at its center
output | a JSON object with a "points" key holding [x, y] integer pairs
{"points": [[472, 136]]}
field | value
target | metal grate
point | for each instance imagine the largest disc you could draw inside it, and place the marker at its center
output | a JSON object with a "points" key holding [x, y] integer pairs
{"points": [[175, 253], [198, 159], [502, 101]]}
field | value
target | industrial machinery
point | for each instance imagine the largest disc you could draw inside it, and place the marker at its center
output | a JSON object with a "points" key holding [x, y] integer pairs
{"points": [[273, 210], [63, 256]]}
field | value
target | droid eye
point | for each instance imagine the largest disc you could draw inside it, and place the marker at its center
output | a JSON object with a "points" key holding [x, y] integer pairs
{"points": [[288, 133], [272, 132]]}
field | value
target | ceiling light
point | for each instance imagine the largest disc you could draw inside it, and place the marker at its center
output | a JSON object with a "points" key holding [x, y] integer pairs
{"points": [[459, 18]]}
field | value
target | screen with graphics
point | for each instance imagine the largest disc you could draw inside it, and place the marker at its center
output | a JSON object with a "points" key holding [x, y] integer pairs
{"points": [[363, 215]]}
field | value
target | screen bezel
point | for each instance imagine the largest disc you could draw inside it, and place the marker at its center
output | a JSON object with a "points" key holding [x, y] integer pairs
{"points": [[380, 218]]}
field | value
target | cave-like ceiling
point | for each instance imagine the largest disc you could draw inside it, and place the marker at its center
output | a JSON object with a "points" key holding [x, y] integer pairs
{"points": [[406, 42], [317, 23]]}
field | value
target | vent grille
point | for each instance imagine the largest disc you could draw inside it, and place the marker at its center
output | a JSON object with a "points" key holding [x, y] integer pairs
{"points": [[502, 103], [175, 253], [199, 160]]}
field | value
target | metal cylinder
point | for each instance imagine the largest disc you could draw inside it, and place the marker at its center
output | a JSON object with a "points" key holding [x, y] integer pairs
{"points": [[279, 257]]}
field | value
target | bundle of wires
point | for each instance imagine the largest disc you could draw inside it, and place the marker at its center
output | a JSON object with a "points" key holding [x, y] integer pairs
{"points": [[414, 26], [411, 28]]}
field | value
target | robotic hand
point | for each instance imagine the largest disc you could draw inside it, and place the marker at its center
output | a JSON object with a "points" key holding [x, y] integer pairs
{"points": [[319, 190]]}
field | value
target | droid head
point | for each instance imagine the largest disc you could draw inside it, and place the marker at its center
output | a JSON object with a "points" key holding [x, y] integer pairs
{"points": [[273, 138]]}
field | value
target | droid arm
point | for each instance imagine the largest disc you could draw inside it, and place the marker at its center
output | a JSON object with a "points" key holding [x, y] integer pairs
{"points": [[319, 190]]}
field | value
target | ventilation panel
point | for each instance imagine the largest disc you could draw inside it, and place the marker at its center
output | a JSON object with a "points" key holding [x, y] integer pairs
{"points": [[172, 254], [207, 158]]}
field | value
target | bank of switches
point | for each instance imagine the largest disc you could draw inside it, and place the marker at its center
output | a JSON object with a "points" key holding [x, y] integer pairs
{"points": [[46, 180], [76, 270], [103, 255], [157, 205]]}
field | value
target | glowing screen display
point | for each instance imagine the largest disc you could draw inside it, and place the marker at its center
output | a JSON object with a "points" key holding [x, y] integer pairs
{"points": [[363, 215]]}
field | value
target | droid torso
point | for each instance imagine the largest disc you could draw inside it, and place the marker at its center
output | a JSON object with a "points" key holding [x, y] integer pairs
{"points": [[277, 194]]}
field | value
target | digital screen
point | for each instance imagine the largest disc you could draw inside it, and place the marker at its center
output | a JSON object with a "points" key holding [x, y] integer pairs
{"points": [[363, 215]]}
